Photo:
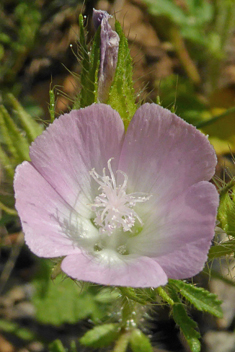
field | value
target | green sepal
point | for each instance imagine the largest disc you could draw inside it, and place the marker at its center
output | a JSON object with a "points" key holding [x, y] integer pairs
{"points": [[30, 126], [101, 336], [187, 326], [121, 94], [139, 342], [200, 298], [90, 67], [131, 293], [226, 210]]}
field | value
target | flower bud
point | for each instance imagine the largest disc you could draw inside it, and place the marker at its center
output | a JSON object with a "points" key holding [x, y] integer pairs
{"points": [[109, 45]]}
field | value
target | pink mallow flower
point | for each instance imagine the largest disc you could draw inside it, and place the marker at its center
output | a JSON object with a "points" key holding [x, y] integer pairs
{"points": [[129, 209]]}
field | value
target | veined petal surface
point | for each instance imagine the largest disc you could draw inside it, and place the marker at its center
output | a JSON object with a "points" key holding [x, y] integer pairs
{"points": [[189, 219], [163, 155], [72, 146], [47, 220], [112, 269]]}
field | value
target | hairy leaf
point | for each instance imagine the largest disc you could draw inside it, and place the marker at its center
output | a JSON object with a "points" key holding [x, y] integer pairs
{"points": [[202, 299], [139, 342], [100, 336], [187, 326], [226, 211], [222, 249]]}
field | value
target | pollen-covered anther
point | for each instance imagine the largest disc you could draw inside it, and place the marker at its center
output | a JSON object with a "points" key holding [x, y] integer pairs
{"points": [[113, 207]]}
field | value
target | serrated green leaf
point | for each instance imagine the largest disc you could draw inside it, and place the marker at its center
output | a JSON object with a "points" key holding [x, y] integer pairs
{"points": [[101, 336], [57, 346], [121, 94], [187, 326], [202, 299], [222, 249], [226, 211], [139, 342], [31, 127]]}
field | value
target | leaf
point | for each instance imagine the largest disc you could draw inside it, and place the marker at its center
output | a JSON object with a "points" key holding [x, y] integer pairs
{"points": [[187, 326], [31, 127], [139, 342], [121, 94], [62, 301], [15, 329], [226, 211], [15, 141], [202, 299], [107, 295], [56, 346], [221, 132], [166, 8], [101, 336], [191, 21], [7, 163], [222, 249], [122, 342]]}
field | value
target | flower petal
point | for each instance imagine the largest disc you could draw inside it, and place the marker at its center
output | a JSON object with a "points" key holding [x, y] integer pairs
{"points": [[186, 262], [186, 219], [52, 228], [74, 144], [111, 270], [163, 155]]}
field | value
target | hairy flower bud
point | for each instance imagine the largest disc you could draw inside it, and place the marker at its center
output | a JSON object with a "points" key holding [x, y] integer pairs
{"points": [[109, 45]]}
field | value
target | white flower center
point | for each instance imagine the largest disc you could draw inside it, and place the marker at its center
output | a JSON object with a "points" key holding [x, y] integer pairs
{"points": [[113, 207]]}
